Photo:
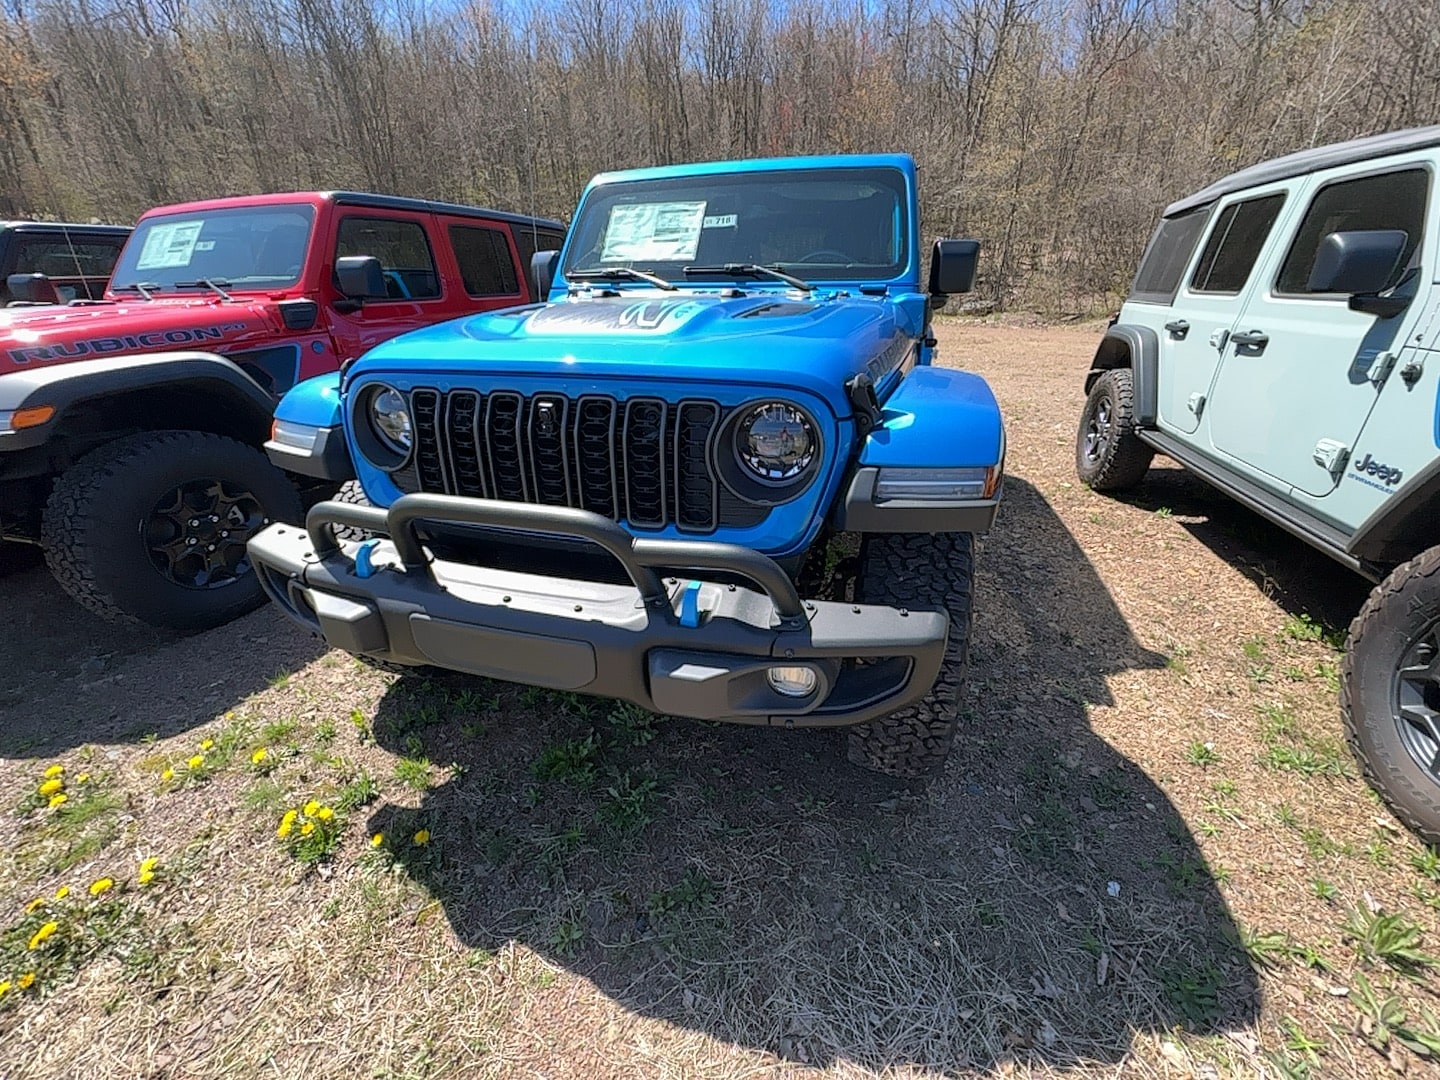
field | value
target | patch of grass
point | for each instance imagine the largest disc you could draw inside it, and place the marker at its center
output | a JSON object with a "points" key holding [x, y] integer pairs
{"points": [[363, 731], [1176, 660], [1253, 648], [1324, 890], [1164, 512], [1329, 673], [1266, 950], [1384, 1019], [1202, 754], [1285, 815], [692, 891], [567, 936], [1303, 628], [1325, 760], [573, 761], [1194, 993], [633, 726], [1392, 939], [1426, 862], [1320, 844], [266, 796], [325, 732], [277, 731], [361, 790], [413, 772], [629, 801], [279, 680]]}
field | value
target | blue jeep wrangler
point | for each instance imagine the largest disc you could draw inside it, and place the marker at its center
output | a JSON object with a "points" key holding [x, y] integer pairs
{"points": [[715, 475]]}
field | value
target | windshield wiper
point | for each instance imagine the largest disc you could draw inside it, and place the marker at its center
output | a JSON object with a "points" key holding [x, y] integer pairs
{"points": [[752, 270], [141, 287], [215, 284], [620, 273]]}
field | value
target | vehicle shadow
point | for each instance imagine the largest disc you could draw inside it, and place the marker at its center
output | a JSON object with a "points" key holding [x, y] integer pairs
{"points": [[1041, 901], [70, 678], [1302, 580]]}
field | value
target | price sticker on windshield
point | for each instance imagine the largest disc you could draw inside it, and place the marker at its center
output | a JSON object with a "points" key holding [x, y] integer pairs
{"points": [[662, 232], [169, 245]]}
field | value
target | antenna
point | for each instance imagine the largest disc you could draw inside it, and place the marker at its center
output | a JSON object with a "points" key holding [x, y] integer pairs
{"points": [[82, 284]]}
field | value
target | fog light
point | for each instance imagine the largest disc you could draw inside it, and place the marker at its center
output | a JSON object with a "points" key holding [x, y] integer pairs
{"points": [[793, 681]]}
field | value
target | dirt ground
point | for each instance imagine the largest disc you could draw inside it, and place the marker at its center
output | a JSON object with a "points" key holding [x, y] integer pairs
{"points": [[1150, 854]]}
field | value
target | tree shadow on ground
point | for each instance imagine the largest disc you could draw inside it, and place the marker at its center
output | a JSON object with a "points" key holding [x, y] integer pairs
{"points": [[1298, 577], [1042, 900], [71, 678]]}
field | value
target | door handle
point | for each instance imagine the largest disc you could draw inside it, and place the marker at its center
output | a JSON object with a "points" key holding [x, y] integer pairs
{"points": [[1254, 340], [1177, 329]]}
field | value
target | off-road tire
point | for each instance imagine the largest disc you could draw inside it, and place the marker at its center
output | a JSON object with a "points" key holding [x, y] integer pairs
{"points": [[1117, 460], [1400, 611], [92, 521], [922, 572], [351, 492]]}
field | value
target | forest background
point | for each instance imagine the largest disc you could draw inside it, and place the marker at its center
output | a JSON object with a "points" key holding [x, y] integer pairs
{"points": [[1054, 130]]}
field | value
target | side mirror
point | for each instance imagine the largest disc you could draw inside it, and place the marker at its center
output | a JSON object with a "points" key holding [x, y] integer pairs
{"points": [[360, 278], [952, 266], [542, 272], [32, 289], [1357, 262]]}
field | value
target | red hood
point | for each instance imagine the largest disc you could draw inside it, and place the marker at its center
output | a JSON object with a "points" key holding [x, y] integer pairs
{"points": [[54, 335]]}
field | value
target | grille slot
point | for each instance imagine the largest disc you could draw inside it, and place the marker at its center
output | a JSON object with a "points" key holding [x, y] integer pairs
{"points": [[643, 460]]}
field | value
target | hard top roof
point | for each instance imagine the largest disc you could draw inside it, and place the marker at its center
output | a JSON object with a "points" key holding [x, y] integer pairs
{"points": [[54, 226], [1308, 161], [359, 198], [903, 162]]}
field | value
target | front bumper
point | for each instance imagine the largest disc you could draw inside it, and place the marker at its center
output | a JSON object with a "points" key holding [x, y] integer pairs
{"points": [[693, 648]]}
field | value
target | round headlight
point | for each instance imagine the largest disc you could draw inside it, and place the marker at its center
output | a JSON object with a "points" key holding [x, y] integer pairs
{"points": [[390, 415], [775, 441]]}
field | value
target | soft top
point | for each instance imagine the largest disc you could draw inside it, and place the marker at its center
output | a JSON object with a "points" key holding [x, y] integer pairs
{"points": [[1308, 161]]}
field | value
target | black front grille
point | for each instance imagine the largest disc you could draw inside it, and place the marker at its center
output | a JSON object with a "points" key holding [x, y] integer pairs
{"points": [[642, 460]]}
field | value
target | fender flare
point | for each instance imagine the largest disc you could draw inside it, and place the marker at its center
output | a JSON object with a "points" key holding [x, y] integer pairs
{"points": [[63, 387], [1138, 348], [1403, 525]]}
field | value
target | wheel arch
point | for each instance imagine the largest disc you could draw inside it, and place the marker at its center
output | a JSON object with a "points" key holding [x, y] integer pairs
{"points": [[101, 399], [1126, 345], [1402, 526]]}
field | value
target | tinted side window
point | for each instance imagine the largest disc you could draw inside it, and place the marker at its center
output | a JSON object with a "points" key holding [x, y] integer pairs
{"points": [[1234, 245], [527, 242], [56, 257], [1165, 259], [484, 258], [403, 251], [1388, 201]]}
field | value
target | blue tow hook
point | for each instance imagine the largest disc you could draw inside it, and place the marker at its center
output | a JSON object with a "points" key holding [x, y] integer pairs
{"points": [[690, 606], [365, 559]]}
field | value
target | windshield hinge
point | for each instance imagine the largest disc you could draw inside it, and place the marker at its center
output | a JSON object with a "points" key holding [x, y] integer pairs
{"points": [[1381, 367]]}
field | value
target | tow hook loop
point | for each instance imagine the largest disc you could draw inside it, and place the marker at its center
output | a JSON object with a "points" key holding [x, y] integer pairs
{"points": [[364, 559], [690, 605]]}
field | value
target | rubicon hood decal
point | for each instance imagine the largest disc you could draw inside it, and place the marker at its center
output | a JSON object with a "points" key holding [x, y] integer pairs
{"points": [[104, 346], [637, 317]]}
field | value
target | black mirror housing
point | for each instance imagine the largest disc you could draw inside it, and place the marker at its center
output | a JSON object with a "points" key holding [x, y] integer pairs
{"points": [[1362, 261], [952, 266], [542, 272], [32, 289], [360, 277]]}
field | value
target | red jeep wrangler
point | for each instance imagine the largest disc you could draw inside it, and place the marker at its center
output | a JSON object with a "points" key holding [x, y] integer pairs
{"points": [[130, 429]]}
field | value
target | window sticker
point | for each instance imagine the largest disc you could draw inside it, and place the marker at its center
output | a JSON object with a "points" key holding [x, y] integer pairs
{"points": [[665, 232], [169, 245], [721, 221]]}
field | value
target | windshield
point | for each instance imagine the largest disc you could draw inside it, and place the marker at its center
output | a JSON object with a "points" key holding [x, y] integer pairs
{"points": [[246, 247], [820, 224]]}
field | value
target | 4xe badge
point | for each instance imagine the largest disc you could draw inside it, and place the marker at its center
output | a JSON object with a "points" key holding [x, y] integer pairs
{"points": [[1384, 473]]}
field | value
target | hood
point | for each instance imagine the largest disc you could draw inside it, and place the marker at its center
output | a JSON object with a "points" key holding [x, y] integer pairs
{"points": [[815, 342], [52, 335]]}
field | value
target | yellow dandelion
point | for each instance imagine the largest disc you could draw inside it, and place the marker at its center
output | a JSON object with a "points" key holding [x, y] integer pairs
{"points": [[148, 864], [62, 892], [58, 800], [43, 933], [307, 828], [103, 885], [25, 981], [286, 824], [312, 808], [258, 756], [422, 837], [83, 778], [324, 813], [34, 905], [230, 715], [54, 770], [168, 774], [377, 839], [196, 761], [4, 988], [50, 787], [207, 744]]}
